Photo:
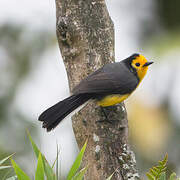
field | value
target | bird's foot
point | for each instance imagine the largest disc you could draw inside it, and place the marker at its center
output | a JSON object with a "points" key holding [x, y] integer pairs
{"points": [[106, 118]]}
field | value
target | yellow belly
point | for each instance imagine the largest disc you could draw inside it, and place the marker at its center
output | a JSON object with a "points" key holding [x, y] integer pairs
{"points": [[111, 100]]}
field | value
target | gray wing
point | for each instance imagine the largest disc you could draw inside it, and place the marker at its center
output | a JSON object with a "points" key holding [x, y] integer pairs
{"points": [[113, 78]]}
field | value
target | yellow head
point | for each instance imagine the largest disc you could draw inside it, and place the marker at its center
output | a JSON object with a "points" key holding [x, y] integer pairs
{"points": [[140, 64]]}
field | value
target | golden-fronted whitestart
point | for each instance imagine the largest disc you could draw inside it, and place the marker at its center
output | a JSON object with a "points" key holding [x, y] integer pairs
{"points": [[109, 85]]}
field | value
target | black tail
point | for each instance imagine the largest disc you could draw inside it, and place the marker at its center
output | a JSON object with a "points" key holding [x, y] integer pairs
{"points": [[55, 114]]}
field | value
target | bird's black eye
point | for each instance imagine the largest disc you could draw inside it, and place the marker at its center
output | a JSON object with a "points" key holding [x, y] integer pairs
{"points": [[137, 64]]}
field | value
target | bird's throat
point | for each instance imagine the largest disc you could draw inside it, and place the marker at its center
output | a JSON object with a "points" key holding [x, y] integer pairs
{"points": [[141, 73]]}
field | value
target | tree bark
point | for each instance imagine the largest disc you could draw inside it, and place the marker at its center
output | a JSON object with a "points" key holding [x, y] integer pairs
{"points": [[85, 34]]}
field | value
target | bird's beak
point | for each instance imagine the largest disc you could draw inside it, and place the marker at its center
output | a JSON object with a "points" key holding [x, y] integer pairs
{"points": [[147, 64]]}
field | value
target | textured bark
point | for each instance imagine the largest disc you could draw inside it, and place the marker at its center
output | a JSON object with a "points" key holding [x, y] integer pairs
{"points": [[85, 34]]}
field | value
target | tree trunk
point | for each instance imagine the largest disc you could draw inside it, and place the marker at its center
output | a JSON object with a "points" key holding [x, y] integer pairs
{"points": [[85, 34]]}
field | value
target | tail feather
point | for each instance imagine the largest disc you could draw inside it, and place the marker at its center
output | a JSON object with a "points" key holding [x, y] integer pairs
{"points": [[55, 114]]}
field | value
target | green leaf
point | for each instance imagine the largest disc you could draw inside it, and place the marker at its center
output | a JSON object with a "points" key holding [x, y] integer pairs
{"points": [[109, 178], [6, 174], [35, 148], [55, 161], [163, 169], [154, 173], [149, 176], [161, 163], [40, 169], [162, 176], [12, 178], [158, 171], [4, 167], [172, 176], [47, 168], [77, 163], [57, 164], [5, 159], [57, 157], [165, 159], [80, 174], [19, 172]]}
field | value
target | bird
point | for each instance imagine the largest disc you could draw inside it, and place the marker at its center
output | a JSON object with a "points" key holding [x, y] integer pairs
{"points": [[109, 85]]}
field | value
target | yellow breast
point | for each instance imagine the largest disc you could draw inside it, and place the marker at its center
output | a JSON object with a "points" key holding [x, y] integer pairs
{"points": [[111, 100]]}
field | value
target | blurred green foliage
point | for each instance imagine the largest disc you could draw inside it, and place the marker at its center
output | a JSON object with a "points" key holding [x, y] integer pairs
{"points": [[21, 48], [45, 169], [169, 13], [159, 172], [163, 33]]}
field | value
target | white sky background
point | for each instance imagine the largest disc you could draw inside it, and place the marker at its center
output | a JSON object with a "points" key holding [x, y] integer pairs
{"points": [[30, 12], [48, 84]]}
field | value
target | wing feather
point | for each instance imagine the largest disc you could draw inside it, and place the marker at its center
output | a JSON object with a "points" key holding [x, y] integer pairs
{"points": [[113, 78]]}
